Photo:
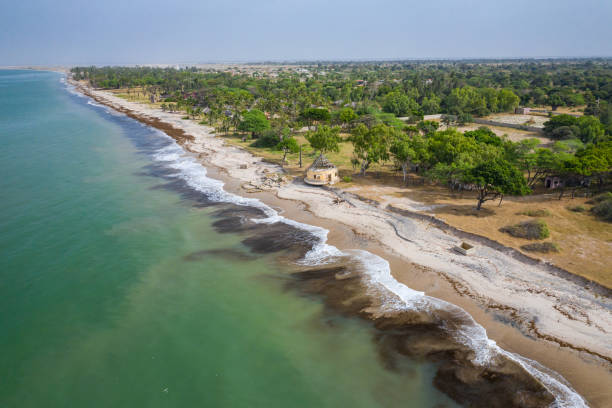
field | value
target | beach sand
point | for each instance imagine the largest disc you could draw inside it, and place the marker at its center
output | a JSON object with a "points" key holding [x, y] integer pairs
{"points": [[563, 323]]}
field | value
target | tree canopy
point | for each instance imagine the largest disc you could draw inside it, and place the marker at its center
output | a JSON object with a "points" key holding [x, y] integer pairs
{"points": [[494, 178], [371, 145], [324, 139], [254, 121]]}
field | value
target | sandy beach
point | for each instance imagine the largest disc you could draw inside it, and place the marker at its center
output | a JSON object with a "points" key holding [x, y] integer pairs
{"points": [[527, 308]]}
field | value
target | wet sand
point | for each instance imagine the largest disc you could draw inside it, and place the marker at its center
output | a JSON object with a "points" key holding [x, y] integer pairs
{"points": [[590, 376]]}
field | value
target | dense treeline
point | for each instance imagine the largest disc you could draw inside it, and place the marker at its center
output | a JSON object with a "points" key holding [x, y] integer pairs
{"points": [[365, 100], [400, 88], [477, 160]]}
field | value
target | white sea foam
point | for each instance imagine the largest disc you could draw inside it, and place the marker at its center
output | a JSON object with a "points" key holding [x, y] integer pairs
{"points": [[195, 175], [378, 272], [71, 89], [92, 103], [565, 396], [469, 332]]}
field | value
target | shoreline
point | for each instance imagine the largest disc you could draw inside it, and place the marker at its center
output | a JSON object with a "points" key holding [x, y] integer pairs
{"points": [[316, 207]]}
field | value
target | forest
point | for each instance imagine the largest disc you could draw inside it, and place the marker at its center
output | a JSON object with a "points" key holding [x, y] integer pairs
{"points": [[379, 108]]}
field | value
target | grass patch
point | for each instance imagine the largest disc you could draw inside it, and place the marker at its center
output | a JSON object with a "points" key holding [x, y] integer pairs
{"points": [[577, 208], [536, 229], [542, 247], [535, 213], [347, 179]]}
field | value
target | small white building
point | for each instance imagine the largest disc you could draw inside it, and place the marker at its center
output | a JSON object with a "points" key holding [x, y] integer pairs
{"points": [[321, 172]]}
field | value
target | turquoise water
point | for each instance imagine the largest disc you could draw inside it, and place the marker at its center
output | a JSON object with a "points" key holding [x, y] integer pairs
{"points": [[116, 290]]}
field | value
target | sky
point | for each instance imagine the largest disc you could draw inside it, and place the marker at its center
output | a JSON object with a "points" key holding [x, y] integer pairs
{"points": [[71, 32]]}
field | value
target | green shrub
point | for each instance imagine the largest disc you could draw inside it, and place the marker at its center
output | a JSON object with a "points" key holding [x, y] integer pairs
{"points": [[347, 179], [389, 119], [577, 208], [464, 118], [602, 197], [536, 213], [603, 209], [268, 139], [543, 247], [185, 117], [535, 229]]}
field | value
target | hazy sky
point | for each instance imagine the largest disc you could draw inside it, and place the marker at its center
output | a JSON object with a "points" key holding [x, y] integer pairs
{"points": [[191, 31]]}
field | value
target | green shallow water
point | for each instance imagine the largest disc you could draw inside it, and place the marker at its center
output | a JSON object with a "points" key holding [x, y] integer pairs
{"points": [[100, 308]]}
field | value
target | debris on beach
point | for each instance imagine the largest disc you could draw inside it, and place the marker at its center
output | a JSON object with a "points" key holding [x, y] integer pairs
{"points": [[270, 181], [339, 200], [464, 248]]}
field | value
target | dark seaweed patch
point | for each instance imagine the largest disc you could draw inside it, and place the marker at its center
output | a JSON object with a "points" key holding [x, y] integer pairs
{"points": [[420, 335], [237, 219], [278, 237]]}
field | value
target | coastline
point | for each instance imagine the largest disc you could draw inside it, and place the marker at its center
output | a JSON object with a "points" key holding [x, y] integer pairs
{"points": [[407, 244]]}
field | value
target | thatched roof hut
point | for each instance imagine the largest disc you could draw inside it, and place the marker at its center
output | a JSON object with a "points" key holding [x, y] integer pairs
{"points": [[321, 172]]}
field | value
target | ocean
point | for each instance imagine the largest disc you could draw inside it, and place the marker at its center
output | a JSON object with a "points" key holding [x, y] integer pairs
{"points": [[128, 277]]}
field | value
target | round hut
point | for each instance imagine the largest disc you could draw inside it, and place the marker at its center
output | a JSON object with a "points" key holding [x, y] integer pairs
{"points": [[321, 172]]}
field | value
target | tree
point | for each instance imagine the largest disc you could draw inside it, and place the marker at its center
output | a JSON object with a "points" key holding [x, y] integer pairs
{"points": [[596, 160], [428, 126], [591, 129], [400, 104], [408, 150], [507, 100], [490, 96], [254, 121], [431, 105], [542, 163], [466, 100], [347, 115], [555, 101], [451, 154], [288, 145], [587, 128], [311, 115], [464, 118], [524, 155], [485, 135], [324, 139], [494, 179], [371, 145]]}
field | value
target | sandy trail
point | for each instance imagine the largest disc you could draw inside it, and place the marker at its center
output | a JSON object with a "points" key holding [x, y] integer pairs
{"points": [[543, 305]]}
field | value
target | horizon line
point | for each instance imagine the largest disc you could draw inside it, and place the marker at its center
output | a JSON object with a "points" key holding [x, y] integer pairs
{"points": [[298, 61]]}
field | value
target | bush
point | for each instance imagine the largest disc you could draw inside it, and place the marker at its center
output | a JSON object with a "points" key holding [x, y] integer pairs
{"points": [[347, 179], [390, 120], [185, 117], [602, 197], [543, 247], [603, 210], [464, 118], [536, 213], [602, 206], [268, 139], [536, 229], [577, 208]]}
